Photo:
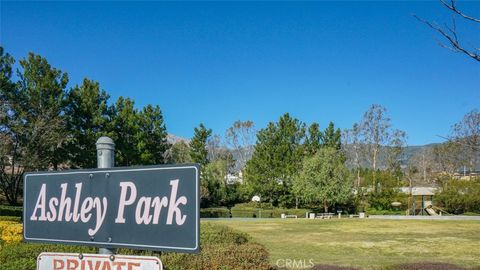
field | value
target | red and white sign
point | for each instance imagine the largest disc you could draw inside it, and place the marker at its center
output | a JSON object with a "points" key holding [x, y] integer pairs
{"points": [[76, 261]]}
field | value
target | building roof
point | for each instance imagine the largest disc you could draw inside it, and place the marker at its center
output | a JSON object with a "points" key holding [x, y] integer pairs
{"points": [[419, 191]]}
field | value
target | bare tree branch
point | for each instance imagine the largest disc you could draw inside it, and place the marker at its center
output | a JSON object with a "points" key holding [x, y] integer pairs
{"points": [[453, 8], [452, 38]]}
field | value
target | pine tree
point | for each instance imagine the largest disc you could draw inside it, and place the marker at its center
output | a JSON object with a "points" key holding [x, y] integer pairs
{"points": [[87, 116], [332, 137], [277, 157], [198, 145], [152, 136]]}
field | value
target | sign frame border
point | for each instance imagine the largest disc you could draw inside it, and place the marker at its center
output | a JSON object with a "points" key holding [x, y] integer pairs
{"points": [[194, 249]]}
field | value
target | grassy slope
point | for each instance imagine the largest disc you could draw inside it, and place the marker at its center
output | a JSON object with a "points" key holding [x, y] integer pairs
{"points": [[366, 243]]}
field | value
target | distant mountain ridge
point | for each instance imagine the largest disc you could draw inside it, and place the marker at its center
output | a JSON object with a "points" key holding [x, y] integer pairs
{"points": [[408, 153]]}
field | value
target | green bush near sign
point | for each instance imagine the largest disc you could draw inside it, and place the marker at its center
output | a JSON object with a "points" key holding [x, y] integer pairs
{"points": [[221, 248], [14, 211], [220, 212]]}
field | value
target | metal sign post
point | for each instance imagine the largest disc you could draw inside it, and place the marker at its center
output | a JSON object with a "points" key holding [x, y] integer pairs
{"points": [[105, 159]]}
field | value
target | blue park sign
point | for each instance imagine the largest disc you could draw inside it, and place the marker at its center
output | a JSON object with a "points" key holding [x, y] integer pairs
{"points": [[152, 208]]}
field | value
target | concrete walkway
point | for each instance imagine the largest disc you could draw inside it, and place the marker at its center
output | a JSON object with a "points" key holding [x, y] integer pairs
{"points": [[426, 217]]}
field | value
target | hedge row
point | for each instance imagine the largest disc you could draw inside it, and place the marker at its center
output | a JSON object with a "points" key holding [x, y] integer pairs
{"points": [[241, 212], [220, 212], [221, 248], [246, 211], [13, 211]]}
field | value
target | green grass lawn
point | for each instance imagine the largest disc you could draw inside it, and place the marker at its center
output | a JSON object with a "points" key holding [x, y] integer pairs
{"points": [[369, 244]]}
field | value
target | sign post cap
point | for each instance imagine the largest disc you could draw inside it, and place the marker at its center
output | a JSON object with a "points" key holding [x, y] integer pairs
{"points": [[105, 143]]}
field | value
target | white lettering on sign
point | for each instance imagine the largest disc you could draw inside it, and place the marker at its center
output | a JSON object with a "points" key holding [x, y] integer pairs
{"points": [[144, 205], [147, 210]]}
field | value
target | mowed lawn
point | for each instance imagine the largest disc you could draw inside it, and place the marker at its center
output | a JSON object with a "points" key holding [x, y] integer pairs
{"points": [[367, 244]]}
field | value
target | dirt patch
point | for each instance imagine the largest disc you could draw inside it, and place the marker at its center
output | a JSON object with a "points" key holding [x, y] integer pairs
{"points": [[332, 267], [427, 266]]}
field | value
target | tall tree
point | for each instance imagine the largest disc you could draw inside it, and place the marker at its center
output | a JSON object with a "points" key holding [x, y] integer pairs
{"points": [[214, 181], [123, 129], [375, 127], [41, 105], [198, 145], [353, 149], [447, 157], [33, 120], [423, 164], [10, 148], [277, 157], [332, 137], [152, 136], [241, 137], [214, 147], [324, 179], [87, 116], [377, 132], [179, 153], [394, 150], [313, 140], [466, 133]]}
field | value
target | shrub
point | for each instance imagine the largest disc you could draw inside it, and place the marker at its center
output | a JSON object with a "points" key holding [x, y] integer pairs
{"points": [[12, 233], [215, 213], [460, 196], [382, 200], [221, 248], [5, 224], [471, 214], [373, 211], [247, 211], [24, 255], [15, 211], [10, 218]]}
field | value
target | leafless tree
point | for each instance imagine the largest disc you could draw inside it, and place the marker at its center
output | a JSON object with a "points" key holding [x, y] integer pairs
{"points": [[375, 130], [352, 141], [394, 150], [466, 133], [423, 161], [214, 145], [450, 32], [377, 133], [447, 157], [241, 137]]}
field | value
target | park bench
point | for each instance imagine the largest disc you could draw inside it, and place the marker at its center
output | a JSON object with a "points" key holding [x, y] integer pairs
{"points": [[325, 215], [288, 216]]}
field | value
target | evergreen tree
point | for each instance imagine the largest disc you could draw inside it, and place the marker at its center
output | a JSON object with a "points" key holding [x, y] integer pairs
{"points": [[123, 129], [277, 157], [198, 145], [313, 140], [33, 127], [87, 116], [332, 137], [179, 153], [152, 136]]}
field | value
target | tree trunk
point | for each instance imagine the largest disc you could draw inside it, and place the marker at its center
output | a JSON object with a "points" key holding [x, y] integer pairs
{"points": [[325, 206], [358, 178]]}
